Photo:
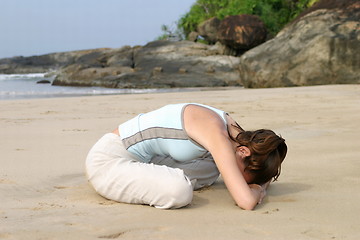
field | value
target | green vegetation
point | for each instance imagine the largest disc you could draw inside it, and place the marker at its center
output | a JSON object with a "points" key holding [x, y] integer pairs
{"points": [[274, 13]]}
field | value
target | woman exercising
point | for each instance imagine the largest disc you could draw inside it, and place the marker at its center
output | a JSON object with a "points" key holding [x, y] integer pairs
{"points": [[160, 157]]}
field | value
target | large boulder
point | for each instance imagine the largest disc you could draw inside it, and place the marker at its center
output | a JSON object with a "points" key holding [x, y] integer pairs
{"points": [[321, 47], [159, 64], [242, 32]]}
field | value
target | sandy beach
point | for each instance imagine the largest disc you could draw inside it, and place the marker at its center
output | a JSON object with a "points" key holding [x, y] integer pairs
{"points": [[45, 195]]}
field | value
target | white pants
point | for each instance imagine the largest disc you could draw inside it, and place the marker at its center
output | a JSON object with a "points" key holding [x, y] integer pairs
{"points": [[116, 174]]}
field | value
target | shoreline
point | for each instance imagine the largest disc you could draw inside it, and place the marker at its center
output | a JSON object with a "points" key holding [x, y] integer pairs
{"points": [[71, 95], [26, 86], [45, 193]]}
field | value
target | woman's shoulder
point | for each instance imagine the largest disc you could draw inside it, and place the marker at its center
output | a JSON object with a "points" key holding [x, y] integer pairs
{"points": [[201, 113], [202, 123]]}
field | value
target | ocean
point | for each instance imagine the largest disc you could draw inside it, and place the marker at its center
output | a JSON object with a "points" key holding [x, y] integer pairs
{"points": [[25, 86]]}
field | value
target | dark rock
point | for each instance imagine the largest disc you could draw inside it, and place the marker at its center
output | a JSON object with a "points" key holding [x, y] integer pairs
{"points": [[322, 47], [43, 82], [208, 30], [241, 32]]}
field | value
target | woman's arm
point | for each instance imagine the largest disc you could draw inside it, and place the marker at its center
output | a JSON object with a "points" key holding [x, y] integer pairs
{"points": [[207, 128], [245, 196]]}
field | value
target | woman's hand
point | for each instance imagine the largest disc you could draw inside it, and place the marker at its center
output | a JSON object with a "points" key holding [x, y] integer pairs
{"points": [[260, 189]]}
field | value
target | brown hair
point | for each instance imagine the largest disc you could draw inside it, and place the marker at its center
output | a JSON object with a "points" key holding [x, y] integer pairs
{"points": [[268, 151]]}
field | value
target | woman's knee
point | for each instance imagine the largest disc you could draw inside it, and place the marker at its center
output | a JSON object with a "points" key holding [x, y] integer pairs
{"points": [[177, 193]]}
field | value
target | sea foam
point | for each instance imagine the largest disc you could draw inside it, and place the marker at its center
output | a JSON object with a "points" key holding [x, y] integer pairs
{"points": [[4, 77]]}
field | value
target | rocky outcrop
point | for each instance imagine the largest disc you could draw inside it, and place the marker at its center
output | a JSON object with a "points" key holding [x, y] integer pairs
{"points": [[159, 64], [91, 68], [42, 63], [322, 47]]}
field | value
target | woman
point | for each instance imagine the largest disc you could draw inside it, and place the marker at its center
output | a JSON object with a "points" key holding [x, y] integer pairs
{"points": [[160, 157]]}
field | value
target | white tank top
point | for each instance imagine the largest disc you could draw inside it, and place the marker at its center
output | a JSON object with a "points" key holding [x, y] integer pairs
{"points": [[161, 133]]}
